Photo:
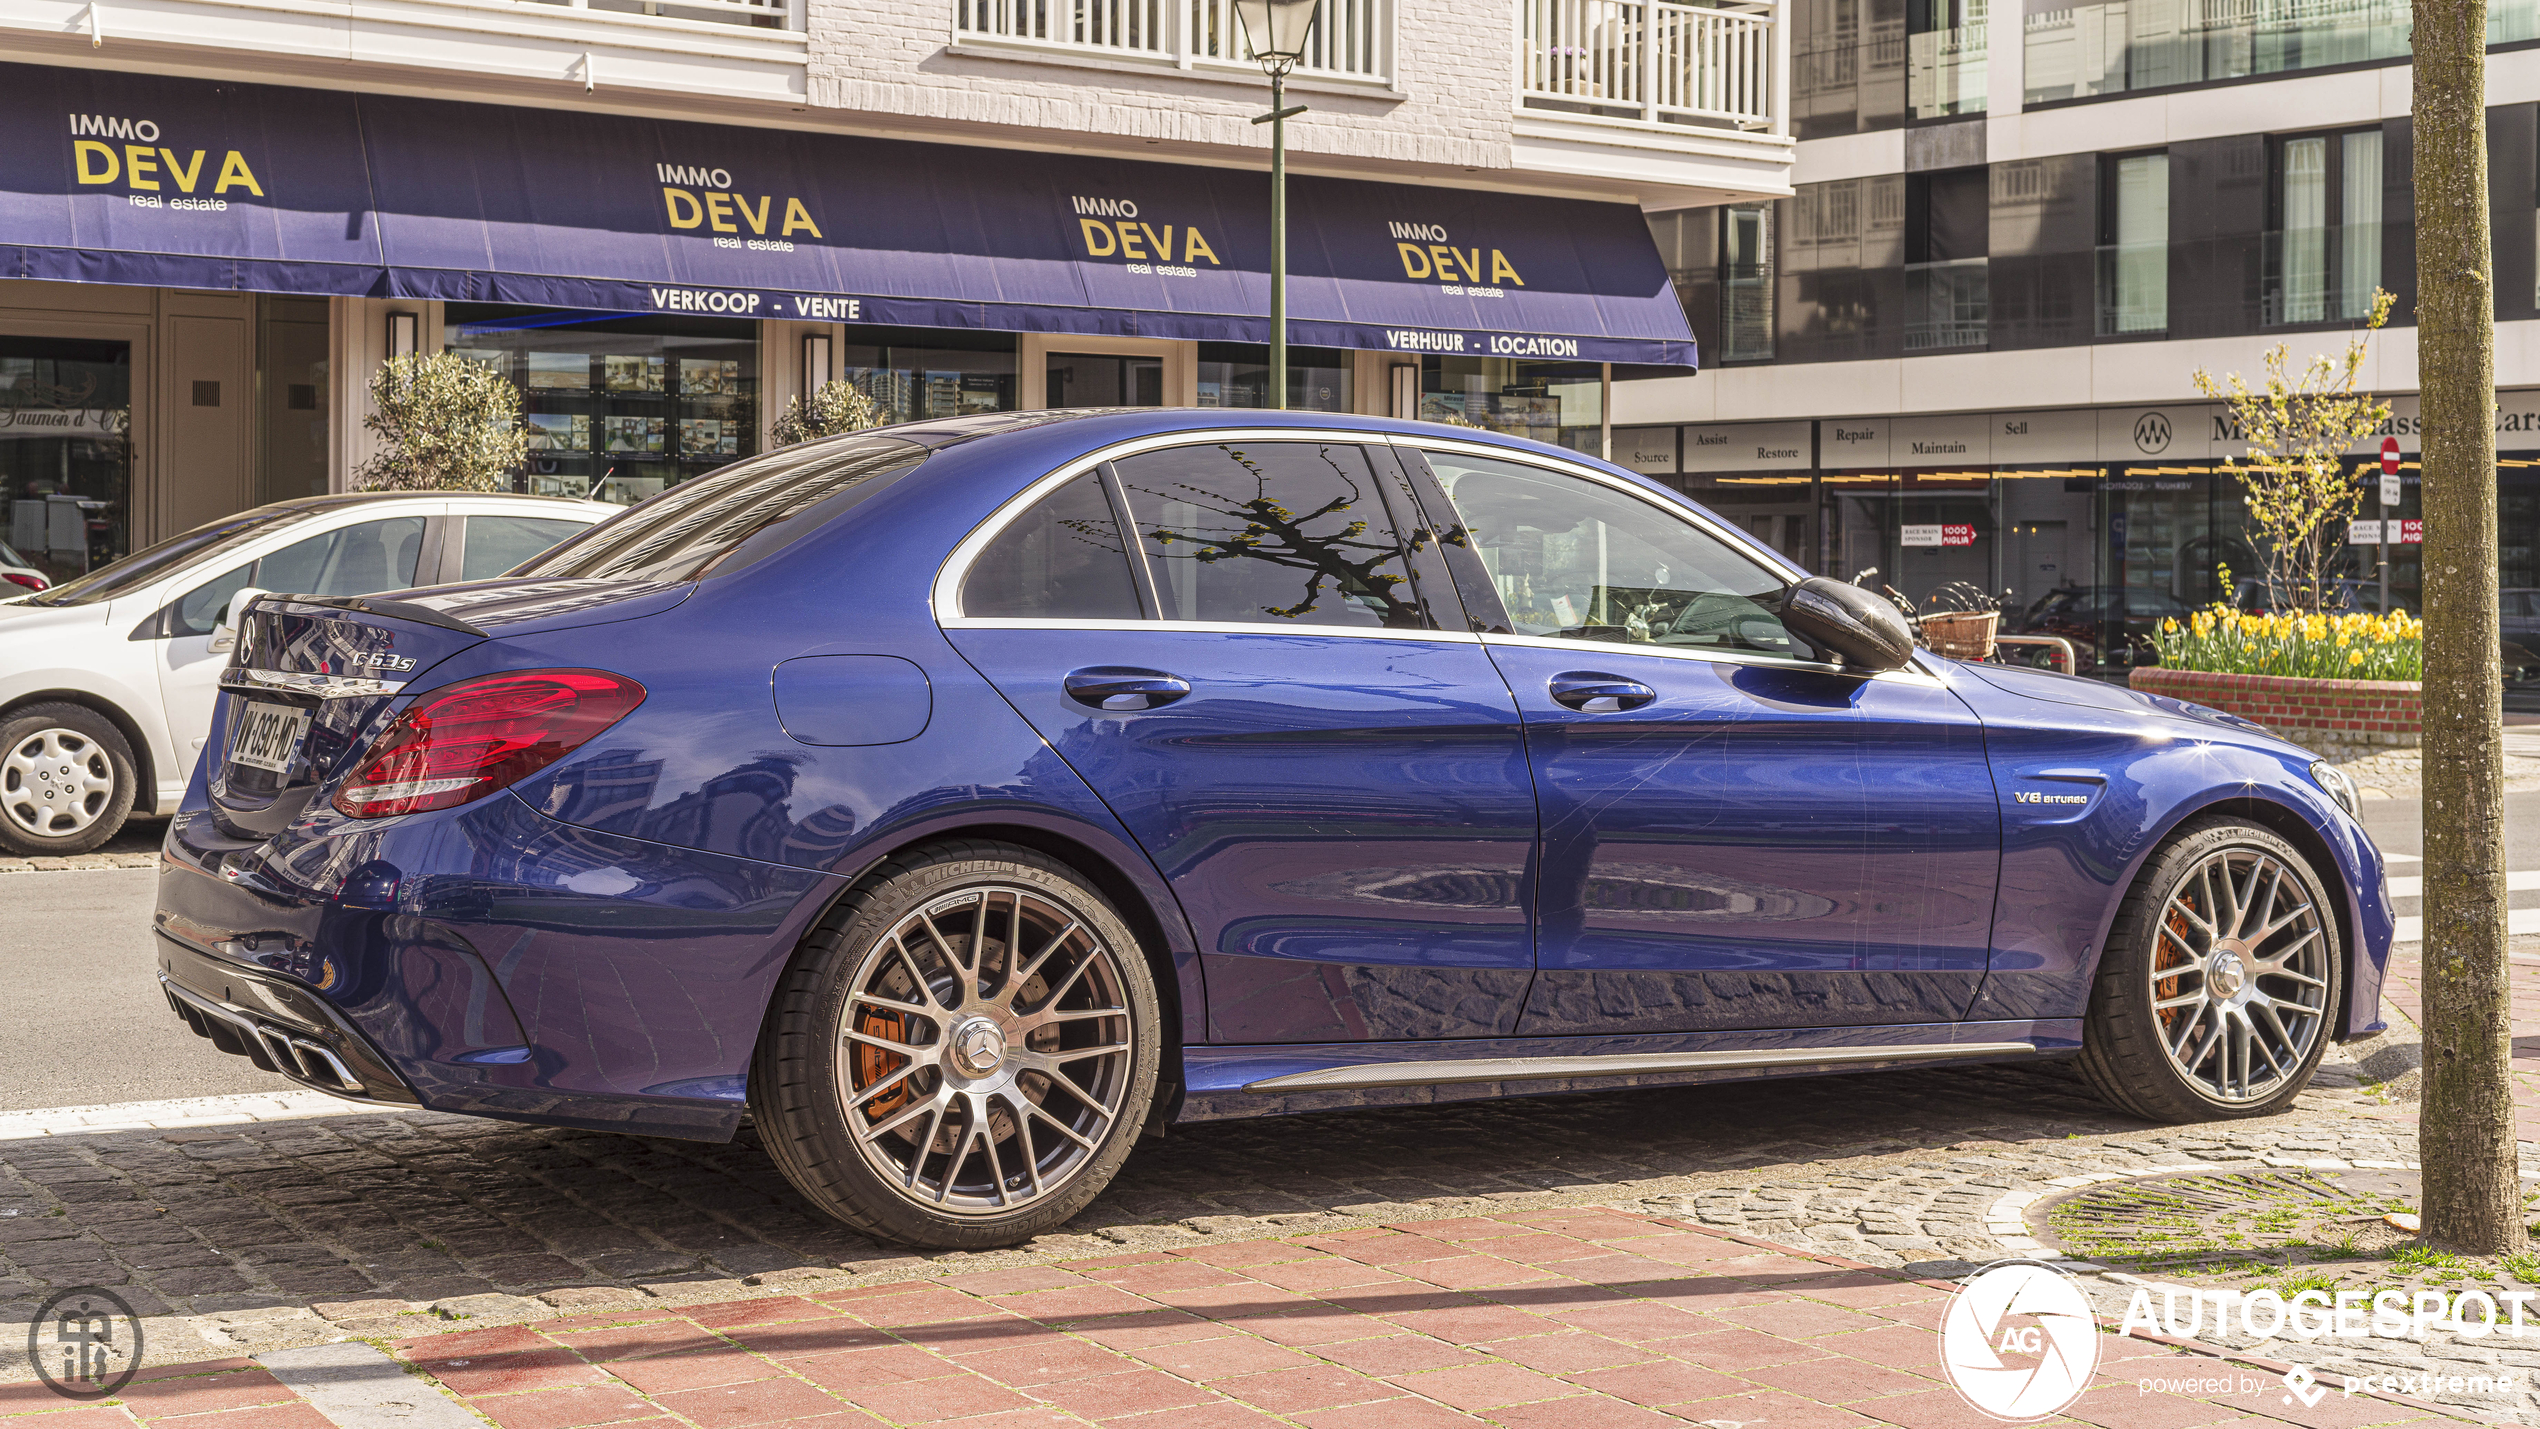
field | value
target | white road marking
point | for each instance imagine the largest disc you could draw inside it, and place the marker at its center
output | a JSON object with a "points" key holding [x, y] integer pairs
{"points": [[2401, 858], [2516, 881], [2518, 921], [170, 1115], [357, 1387]]}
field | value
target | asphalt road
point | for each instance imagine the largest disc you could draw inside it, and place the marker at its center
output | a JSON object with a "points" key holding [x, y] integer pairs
{"points": [[85, 1024]]}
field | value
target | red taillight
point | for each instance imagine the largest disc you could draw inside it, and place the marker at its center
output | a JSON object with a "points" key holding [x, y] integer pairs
{"points": [[464, 741], [29, 579]]}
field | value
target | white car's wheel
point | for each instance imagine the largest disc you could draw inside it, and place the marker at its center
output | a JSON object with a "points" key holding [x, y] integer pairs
{"points": [[66, 780]]}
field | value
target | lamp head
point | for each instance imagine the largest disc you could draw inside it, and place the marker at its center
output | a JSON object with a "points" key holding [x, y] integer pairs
{"points": [[1276, 30]]}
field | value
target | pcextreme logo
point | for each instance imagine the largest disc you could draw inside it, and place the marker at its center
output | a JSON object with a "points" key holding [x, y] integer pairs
{"points": [[1427, 252], [1110, 227], [703, 199], [152, 175]]}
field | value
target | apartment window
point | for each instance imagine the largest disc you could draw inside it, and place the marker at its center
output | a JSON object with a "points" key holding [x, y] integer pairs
{"points": [[1945, 57], [2134, 244], [2323, 245], [1948, 289], [2087, 50], [1746, 283]]}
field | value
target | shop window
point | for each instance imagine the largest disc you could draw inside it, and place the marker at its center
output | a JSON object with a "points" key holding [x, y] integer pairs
{"points": [[1236, 374], [1556, 402], [925, 376], [1102, 379], [66, 461], [2323, 242], [1948, 289], [1746, 282], [2134, 244], [619, 408]]}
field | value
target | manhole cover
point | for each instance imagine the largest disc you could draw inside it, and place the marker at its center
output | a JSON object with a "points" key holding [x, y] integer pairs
{"points": [[2227, 1215]]}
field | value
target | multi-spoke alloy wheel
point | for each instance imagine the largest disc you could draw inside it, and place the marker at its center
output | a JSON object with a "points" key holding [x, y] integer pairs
{"points": [[2220, 978], [66, 780], [963, 1052], [2239, 978], [989, 1050]]}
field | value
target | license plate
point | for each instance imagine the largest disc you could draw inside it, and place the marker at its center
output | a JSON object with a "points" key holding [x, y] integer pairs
{"points": [[268, 737]]}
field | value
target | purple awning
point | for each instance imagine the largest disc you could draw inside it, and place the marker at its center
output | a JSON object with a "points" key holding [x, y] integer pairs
{"points": [[121, 178]]}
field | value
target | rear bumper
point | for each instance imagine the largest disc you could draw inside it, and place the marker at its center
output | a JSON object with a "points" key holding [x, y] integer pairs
{"points": [[276, 1023]]}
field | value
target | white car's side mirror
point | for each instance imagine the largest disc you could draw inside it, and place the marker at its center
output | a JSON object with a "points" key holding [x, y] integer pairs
{"points": [[225, 631]]}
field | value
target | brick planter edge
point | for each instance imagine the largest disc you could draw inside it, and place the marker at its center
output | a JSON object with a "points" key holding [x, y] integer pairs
{"points": [[2339, 718]]}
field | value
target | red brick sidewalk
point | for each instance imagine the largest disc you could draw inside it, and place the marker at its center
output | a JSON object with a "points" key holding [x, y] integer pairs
{"points": [[1581, 1319]]}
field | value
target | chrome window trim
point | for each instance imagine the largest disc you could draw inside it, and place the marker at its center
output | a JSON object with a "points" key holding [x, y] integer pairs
{"points": [[1209, 627], [946, 596], [325, 687], [1912, 674]]}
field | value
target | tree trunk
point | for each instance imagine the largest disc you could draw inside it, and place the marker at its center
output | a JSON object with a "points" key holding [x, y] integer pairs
{"points": [[2466, 1124]]}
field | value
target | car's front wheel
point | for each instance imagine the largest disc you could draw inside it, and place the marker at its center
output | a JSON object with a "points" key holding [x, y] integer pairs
{"points": [[67, 780], [963, 1052], [2214, 996]]}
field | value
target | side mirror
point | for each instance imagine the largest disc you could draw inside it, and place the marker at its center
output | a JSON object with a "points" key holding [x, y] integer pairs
{"points": [[225, 629], [1847, 625]]}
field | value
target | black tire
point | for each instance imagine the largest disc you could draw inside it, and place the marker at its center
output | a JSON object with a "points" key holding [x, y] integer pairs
{"points": [[67, 780], [2127, 1041], [1075, 1117]]}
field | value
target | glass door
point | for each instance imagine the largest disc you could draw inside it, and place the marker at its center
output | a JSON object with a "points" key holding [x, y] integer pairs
{"points": [[65, 453]]}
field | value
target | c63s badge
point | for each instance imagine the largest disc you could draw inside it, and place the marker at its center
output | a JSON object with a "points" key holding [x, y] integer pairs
{"points": [[388, 660]]}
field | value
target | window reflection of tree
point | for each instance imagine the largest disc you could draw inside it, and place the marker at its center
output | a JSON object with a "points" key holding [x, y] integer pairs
{"points": [[1345, 562]]}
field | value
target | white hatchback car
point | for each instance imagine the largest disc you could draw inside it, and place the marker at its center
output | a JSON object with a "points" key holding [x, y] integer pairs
{"points": [[107, 682]]}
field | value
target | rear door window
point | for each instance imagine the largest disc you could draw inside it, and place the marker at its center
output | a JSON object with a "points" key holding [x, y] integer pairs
{"points": [[1060, 560], [354, 560], [495, 544], [1270, 533]]}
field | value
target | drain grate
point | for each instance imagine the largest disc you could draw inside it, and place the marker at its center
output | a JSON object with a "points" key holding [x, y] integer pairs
{"points": [[2223, 1216]]}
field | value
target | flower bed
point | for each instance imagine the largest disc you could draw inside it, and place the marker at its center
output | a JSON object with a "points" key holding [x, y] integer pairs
{"points": [[2337, 718]]}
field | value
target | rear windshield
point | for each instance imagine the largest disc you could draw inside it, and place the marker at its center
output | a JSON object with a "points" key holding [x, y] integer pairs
{"points": [[690, 529], [144, 566]]}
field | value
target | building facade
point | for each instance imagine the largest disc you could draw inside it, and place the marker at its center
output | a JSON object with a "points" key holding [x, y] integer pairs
{"points": [[1963, 349], [664, 221]]}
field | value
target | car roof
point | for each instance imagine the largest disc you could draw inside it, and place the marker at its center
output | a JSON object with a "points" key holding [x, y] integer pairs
{"points": [[363, 498]]}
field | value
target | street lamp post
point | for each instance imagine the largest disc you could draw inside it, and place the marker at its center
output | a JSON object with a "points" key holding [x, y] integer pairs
{"points": [[1276, 30]]}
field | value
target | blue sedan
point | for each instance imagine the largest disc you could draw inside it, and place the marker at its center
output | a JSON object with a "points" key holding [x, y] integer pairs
{"points": [[964, 801]]}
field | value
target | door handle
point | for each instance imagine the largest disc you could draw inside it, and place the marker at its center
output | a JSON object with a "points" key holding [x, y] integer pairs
{"points": [[1599, 694], [1122, 687]]}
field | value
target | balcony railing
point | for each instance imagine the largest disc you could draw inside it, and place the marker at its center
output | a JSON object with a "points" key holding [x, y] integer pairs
{"points": [[1746, 312], [1948, 305], [1648, 60], [2316, 275], [1351, 38]]}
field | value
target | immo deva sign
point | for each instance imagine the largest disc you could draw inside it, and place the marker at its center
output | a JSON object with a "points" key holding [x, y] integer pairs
{"points": [[143, 179]]}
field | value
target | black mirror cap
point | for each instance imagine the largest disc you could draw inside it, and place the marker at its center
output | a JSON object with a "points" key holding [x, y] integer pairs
{"points": [[1847, 625]]}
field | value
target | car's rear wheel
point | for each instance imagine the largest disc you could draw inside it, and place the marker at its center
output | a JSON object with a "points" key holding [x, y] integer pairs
{"points": [[963, 1052], [2214, 997], [66, 780]]}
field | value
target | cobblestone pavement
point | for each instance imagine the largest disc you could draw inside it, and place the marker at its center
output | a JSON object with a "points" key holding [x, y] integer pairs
{"points": [[1575, 1319]]}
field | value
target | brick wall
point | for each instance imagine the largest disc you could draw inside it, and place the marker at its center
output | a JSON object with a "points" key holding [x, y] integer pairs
{"points": [[2334, 717]]}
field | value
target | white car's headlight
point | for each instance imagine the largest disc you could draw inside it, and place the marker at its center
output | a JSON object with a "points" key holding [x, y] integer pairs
{"points": [[2333, 779]]}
